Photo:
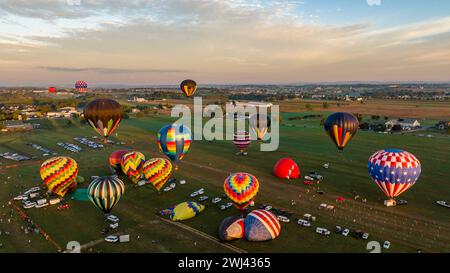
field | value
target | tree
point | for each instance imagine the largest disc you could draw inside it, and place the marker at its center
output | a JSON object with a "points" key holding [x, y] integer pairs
{"points": [[69, 122], [308, 107], [325, 105], [322, 121], [359, 117]]}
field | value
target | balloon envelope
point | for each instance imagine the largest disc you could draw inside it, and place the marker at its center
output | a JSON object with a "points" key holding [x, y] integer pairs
{"points": [[186, 210], [157, 171], [286, 168], [241, 140], [341, 127], [132, 165], [59, 174], [260, 124], [261, 225], [188, 87], [52, 89], [394, 171], [115, 160], [104, 192], [174, 141], [231, 228], [241, 188], [104, 115], [81, 86]]}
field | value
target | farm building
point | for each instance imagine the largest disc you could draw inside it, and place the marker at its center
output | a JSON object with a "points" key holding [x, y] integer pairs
{"points": [[404, 123], [16, 125]]}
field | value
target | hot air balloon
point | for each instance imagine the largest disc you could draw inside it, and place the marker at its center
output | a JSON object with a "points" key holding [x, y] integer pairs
{"points": [[242, 141], [188, 87], [132, 164], [231, 228], [260, 125], [241, 188], [81, 86], [105, 192], [394, 171], [59, 174], [104, 115], [157, 171], [341, 127], [186, 210], [52, 89], [286, 168], [115, 160], [261, 225], [174, 141]]}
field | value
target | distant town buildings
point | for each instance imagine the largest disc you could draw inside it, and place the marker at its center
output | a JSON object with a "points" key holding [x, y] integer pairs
{"points": [[405, 124], [16, 125], [65, 112]]}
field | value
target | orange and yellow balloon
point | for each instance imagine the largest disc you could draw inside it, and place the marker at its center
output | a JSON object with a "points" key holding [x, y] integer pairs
{"points": [[157, 171]]}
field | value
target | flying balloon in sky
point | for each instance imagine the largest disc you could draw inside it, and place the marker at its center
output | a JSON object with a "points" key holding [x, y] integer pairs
{"points": [[341, 127], [104, 115], [188, 87], [81, 86]]}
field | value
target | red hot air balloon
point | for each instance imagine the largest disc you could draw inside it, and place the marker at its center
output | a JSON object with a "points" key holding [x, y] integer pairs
{"points": [[286, 168], [52, 89]]}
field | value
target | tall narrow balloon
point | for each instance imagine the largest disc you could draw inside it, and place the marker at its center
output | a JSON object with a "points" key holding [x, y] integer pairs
{"points": [[104, 115], [188, 87], [394, 171], [341, 127], [104, 192], [174, 140], [241, 140]]}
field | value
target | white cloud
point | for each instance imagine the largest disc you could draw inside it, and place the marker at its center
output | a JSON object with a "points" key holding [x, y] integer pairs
{"points": [[374, 2]]}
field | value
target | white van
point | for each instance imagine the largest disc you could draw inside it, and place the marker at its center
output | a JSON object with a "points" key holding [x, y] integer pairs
{"points": [[323, 231]]}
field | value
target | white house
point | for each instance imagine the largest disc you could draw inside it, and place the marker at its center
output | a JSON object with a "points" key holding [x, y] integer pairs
{"points": [[404, 123]]}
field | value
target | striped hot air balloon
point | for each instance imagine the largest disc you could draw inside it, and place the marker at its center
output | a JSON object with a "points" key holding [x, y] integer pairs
{"points": [[115, 160], [394, 171], [59, 174], [174, 141], [157, 171], [188, 87], [261, 225], [260, 125], [132, 164], [81, 86], [341, 127], [242, 140], [241, 188], [105, 192], [103, 115]]}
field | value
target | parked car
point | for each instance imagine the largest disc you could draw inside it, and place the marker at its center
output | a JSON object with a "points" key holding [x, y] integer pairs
{"points": [[338, 230], [308, 182], [114, 226], [112, 239], [113, 218], [194, 194], [323, 231], [268, 208], [309, 217], [29, 205], [401, 202], [303, 223], [365, 236], [182, 182], [443, 203], [346, 232], [387, 245], [309, 178], [166, 189], [216, 200], [62, 207], [203, 198], [173, 185], [283, 219]]}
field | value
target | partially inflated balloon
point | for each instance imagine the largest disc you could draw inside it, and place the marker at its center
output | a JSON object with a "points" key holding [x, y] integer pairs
{"points": [[186, 210], [260, 124], [52, 89], [174, 141], [115, 160], [105, 192], [188, 87], [394, 171], [59, 174], [81, 86], [241, 188], [132, 164], [286, 168], [261, 225], [231, 228], [104, 115], [157, 171], [341, 127]]}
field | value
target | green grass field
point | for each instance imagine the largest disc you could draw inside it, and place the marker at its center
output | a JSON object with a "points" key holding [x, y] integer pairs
{"points": [[419, 225]]}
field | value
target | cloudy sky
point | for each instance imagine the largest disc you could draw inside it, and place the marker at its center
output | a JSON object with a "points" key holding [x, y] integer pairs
{"points": [[56, 42]]}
